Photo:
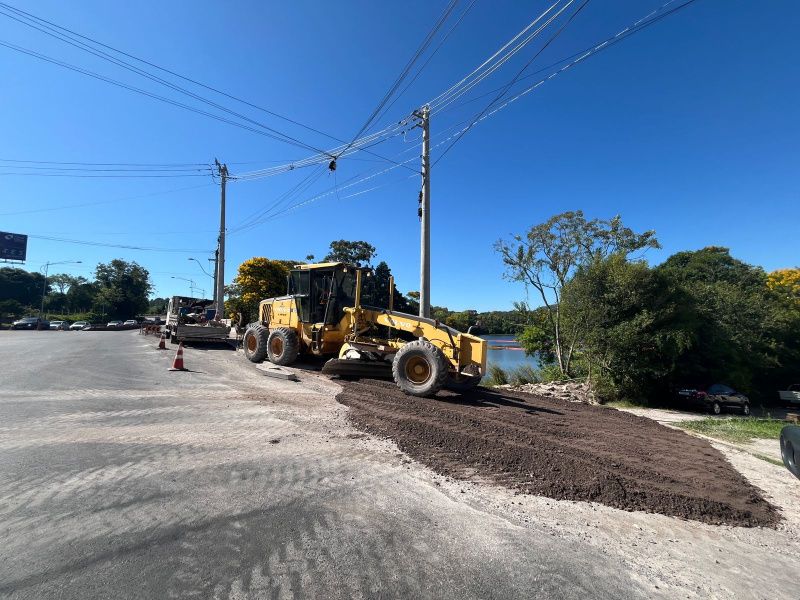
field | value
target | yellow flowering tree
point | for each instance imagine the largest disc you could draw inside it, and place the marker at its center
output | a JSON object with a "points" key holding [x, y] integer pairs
{"points": [[256, 279], [786, 282]]}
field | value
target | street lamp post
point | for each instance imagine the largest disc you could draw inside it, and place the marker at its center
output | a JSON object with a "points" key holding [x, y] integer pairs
{"points": [[199, 264], [46, 268], [191, 283]]}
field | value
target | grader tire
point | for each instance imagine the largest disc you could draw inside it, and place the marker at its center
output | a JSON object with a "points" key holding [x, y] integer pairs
{"points": [[255, 343], [420, 368], [283, 346]]}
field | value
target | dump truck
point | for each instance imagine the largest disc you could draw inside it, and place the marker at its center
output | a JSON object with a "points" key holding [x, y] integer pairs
{"points": [[327, 312], [192, 320]]}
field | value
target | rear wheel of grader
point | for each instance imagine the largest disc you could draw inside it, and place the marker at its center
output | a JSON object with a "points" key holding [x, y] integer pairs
{"points": [[255, 343], [462, 383], [283, 346], [420, 368]]}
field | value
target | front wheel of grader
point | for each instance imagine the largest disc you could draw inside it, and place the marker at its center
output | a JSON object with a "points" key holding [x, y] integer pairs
{"points": [[420, 369]]}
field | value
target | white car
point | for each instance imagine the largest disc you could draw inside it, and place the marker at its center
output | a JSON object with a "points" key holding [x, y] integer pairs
{"points": [[131, 322], [78, 325], [113, 323], [61, 325]]}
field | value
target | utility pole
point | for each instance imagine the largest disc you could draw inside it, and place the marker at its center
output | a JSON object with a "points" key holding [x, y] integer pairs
{"points": [[219, 295], [425, 216]]}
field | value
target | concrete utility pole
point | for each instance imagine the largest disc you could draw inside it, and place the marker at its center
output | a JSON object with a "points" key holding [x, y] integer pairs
{"points": [[425, 216], [219, 294]]}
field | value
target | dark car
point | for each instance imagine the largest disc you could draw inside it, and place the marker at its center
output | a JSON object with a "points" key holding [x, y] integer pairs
{"points": [[31, 323], [714, 398]]}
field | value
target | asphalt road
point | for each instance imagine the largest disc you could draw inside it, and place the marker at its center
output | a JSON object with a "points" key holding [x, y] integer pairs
{"points": [[120, 479]]}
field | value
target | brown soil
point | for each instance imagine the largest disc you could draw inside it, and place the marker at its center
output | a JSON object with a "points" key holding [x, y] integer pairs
{"points": [[562, 450]]}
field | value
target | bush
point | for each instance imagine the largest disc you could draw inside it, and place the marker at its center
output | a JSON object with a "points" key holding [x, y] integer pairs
{"points": [[496, 376], [524, 374]]}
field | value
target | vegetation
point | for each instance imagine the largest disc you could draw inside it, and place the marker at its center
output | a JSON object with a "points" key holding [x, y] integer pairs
{"points": [[736, 430], [119, 291], [637, 332], [549, 254], [256, 279]]}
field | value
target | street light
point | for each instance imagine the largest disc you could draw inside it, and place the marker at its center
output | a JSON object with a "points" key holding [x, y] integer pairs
{"points": [[191, 283], [199, 264], [46, 267]]}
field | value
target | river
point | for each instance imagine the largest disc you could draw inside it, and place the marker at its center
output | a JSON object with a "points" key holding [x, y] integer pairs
{"points": [[506, 353]]}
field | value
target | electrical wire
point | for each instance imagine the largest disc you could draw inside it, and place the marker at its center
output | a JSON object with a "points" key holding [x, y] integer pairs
{"points": [[518, 75], [99, 202], [632, 29], [404, 73], [55, 31], [123, 246], [638, 25]]}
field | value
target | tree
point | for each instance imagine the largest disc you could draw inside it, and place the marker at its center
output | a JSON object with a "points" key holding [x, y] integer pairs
{"points": [[157, 306], [122, 288], [81, 296], [358, 253], [21, 285], [64, 281], [379, 294], [547, 256], [786, 283], [634, 324], [738, 321], [257, 278]]}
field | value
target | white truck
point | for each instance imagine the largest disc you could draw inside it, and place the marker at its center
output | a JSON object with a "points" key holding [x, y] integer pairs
{"points": [[791, 396], [193, 320]]}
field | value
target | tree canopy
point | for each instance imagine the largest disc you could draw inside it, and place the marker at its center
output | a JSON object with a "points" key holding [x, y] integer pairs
{"points": [[358, 253]]}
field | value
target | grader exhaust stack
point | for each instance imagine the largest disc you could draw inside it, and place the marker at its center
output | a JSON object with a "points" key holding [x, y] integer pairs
{"points": [[328, 311]]}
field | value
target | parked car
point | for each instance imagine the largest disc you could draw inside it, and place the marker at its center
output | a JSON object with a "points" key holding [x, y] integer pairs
{"points": [[791, 395], [59, 325], [114, 324], [131, 322], [31, 323], [78, 325], [714, 398]]}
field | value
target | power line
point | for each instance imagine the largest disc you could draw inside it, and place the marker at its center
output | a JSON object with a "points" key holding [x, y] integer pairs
{"points": [[519, 73], [117, 200], [630, 30], [123, 246], [91, 164], [638, 25], [430, 57], [51, 29], [404, 73]]}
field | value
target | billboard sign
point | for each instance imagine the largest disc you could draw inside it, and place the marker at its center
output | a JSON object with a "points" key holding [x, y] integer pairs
{"points": [[13, 246]]}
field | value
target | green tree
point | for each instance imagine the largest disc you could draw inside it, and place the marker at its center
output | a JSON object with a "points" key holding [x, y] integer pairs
{"points": [[157, 306], [81, 296], [122, 288], [740, 333], [379, 290], [547, 256], [23, 286], [358, 253], [634, 324]]}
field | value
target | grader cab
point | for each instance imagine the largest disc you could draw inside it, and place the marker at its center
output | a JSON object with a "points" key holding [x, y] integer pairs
{"points": [[328, 312]]}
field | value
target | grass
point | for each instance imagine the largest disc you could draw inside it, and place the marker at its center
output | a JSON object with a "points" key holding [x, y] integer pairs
{"points": [[737, 429]]}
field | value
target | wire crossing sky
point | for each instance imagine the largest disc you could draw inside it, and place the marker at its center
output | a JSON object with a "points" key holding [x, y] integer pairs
{"points": [[688, 127]]}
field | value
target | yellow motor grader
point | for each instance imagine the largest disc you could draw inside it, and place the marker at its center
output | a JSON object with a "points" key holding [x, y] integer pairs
{"points": [[325, 314]]}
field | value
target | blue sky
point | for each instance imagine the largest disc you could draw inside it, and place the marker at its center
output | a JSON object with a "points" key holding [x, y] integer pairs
{"points": [[689, 128]]}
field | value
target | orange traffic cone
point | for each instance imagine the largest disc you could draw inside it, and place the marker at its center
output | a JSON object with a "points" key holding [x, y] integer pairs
{"points": [[162, 343], [177, 364]]}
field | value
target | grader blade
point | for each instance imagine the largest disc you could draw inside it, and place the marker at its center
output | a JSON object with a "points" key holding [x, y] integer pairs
{"points": [[357, 368]]}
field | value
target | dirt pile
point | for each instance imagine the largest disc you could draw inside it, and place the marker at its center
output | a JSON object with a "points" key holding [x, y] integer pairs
{"points": [[563, 450], [570, 391]]}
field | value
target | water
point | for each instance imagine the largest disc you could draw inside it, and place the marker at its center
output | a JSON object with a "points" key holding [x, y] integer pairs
{"points": [[505, 352]]}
